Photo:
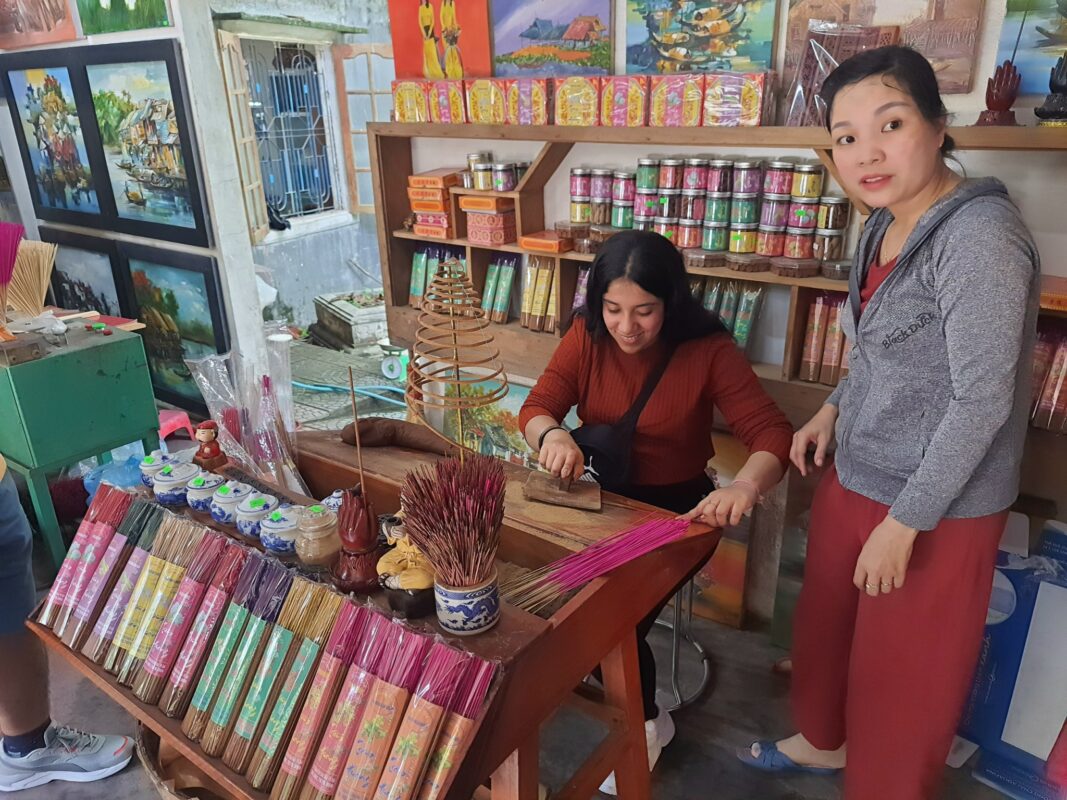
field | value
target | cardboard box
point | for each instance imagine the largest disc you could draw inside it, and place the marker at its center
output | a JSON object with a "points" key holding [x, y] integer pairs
{"points": [[447, 102], [485, 202], [733, 99], [440, 178], [433, 231], [429, 206], [577, 101], [428, 195], [436, 219], [529, 101], [546, 242], [485, 101], [624, 101], [676, 101], [410, 101], [491, 221], [491, 236]]}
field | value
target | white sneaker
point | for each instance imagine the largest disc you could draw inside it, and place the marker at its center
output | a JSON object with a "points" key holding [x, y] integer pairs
{"points": [[68, 755], [658, 734]]}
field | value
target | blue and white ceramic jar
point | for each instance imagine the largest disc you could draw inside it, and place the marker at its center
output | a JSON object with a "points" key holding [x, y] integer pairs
{"points": [[467, 611], [152, 464], [333, 502], [226, 499], [201, 489], [253, 510], [171, 483], [277, 532]]}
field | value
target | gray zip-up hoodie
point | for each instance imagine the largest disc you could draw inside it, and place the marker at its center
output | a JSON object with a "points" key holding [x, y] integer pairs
{"points": [[933, 413]]}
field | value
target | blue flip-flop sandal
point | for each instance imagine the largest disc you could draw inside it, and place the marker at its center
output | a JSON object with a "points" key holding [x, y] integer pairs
{"points": [[771, 759]]}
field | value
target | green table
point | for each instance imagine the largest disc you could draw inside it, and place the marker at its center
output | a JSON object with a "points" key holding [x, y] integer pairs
{"points": [[81, 400]]}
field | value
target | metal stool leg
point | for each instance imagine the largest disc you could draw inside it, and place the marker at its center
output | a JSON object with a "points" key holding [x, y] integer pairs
{"points": [[681, 629]]}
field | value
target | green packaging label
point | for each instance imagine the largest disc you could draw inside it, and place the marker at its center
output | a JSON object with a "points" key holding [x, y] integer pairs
{"points": [[235, 678], [285, 705], [269, 667], [259, 502], [198, 482], [230, 631]]}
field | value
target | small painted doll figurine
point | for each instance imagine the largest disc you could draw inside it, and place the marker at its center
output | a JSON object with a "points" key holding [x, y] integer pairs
{"points": [[209, 455]]}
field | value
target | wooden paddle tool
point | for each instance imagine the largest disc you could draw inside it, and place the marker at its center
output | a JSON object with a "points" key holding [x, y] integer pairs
{"points": [[545, 488]]}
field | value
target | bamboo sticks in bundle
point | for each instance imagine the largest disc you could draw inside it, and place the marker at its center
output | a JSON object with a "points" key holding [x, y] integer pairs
{"points": [[267, 756], [152, 674], [33, 273]]}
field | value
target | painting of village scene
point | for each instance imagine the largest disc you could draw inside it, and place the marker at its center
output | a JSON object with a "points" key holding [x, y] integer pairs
{"points": [[53, 133], [175, 306], [551, 37], [83, 280], [139, 132], [945, 31], [109, 16], [700, 35], [1034, 36], [28, 23]]}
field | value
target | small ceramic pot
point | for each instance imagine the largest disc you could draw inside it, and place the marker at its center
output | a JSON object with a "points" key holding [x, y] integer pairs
{"points": [[226, 499], [152, 464], [278, 530], [171, 483], [468, 610], [201, 489], [333, 502], [253, 510]]}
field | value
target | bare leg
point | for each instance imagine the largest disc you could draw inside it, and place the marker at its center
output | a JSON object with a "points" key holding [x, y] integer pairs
{"points": [[24, 689]]}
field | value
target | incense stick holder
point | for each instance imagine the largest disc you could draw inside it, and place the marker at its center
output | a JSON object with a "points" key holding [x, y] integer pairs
{"points": [[468, 611]]}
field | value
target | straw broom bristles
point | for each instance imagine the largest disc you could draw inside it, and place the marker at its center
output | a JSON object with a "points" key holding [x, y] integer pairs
{"points": [[263, 766], [453, 512], [33, 272]]}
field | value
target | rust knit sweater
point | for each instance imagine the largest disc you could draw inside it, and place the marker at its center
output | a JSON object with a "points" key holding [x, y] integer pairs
{"points": [[672, 442]]}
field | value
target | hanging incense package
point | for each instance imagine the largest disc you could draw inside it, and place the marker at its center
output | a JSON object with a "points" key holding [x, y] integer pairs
{"points": [[228, 579]]}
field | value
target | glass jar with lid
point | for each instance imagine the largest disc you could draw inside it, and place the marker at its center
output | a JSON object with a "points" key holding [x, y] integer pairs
{"points": [[317, 541]]}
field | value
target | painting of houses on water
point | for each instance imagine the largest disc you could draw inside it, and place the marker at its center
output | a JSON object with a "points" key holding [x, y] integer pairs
{"points": [[551, 37]]}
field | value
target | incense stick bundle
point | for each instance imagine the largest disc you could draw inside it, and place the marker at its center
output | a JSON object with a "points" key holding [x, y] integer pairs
{"points": [[452, 512], [109, 505], [187, 537], [458, 728], [33, 272], [200, 637], [340, 650], [382, 717], [97, 645], [152, 675], [418, 731], [340, 732], [10, 236], [245, 598], [107, 574], [535, 590], [267, 756], [300, 607]]}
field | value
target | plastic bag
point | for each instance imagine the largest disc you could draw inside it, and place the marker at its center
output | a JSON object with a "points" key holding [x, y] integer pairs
{"points": [[121, 474]]}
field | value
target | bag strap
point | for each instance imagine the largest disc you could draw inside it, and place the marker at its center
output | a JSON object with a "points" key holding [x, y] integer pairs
{"points": [[629, 419]]}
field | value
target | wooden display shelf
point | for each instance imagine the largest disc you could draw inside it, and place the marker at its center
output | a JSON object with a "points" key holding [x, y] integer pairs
{"points": [[819, 284], [511, 247]]}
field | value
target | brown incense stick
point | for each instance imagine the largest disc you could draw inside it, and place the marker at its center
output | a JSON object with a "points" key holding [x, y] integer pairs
{"points": [[355, 428]]}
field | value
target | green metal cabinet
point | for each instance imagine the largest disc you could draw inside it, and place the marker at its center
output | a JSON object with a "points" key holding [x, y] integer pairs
{"points": [[81, 400]]}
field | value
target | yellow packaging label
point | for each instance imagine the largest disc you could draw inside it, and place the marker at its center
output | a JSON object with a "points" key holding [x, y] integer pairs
{"points": [[139, 601], [160, 605]]}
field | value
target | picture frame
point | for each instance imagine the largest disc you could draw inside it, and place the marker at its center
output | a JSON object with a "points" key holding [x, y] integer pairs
{"points": [[83, 266], [123, 141], [178, 297]]}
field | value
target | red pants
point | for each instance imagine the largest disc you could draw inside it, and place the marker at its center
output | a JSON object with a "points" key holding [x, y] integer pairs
{"points": [[888, 675]]}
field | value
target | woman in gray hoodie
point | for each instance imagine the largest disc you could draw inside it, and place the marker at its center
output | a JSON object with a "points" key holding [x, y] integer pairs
{"points": [[929, 424]]}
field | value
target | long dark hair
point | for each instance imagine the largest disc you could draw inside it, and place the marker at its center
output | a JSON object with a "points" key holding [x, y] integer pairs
{"points": [[654, 264], [909, 71]]}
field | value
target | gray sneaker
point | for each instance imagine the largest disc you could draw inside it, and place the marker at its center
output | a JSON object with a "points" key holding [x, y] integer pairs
{"points": [[68, 755]]}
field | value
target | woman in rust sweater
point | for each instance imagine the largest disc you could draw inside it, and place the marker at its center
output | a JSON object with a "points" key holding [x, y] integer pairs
{"points": [[647, 366]]}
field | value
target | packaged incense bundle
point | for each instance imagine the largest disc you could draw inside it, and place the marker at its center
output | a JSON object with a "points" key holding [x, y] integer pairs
{"points": [[300, 607], [187, 537], [815, 339], [381, 637], [295, 683], [273, 591], [340, 651], [107, 573], [226, 580], [458, 727], [417, 735], [99, 642], [152, 675], [385, 709], [109, 506], [232, 627]]}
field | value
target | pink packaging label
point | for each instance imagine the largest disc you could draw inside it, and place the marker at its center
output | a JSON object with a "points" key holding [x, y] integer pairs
{"points": [[58, 593], [526, 102], [314, 710], [96, 544], [91, 596], [341, 731], [206, 618], [120, 596], [178, 621]]}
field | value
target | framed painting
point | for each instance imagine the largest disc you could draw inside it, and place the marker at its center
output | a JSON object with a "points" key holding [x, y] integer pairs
{"points": [[438, 39], [150, 175], [552, 37], [129, 15], [87, 275], [178, 298], [700, 35], [55, 141], [29, 23], [1034, 35]]}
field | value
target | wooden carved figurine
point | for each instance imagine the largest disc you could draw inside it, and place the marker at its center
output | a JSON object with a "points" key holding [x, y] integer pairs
{"points": [[405, 572], [1000, 93], [209, 455], [1053, 112]]}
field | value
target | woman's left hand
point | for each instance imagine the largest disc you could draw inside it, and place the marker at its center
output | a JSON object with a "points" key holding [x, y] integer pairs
{"points": [[725, 506], [883, 562]]}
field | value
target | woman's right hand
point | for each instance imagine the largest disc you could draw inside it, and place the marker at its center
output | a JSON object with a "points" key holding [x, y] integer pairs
{"points": [[818, 433], [561, 456]]}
